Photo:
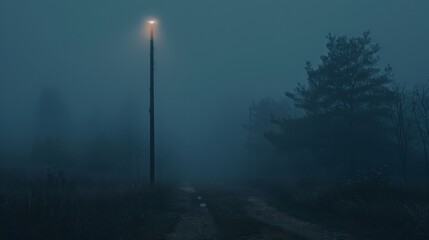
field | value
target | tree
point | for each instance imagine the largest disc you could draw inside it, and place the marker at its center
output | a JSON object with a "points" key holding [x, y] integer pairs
{"points": [[347, 84], [346, 96], [420, 109], [52, 113], [401, 115], [53, 124], [261, 115]]}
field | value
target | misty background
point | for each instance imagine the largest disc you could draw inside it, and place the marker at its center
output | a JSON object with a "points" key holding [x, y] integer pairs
{"points": [[212, 59]]}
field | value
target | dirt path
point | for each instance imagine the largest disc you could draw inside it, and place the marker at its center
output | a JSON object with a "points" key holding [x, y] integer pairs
{"points": [[230, 213], [228, 208], [196, 223], [262, 211]]}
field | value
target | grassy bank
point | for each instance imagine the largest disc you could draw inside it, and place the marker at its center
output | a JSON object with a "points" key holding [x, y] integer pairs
{"points": [[366, 209]]}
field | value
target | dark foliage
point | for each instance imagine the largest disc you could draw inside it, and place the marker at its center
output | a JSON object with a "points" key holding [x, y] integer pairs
{"points": [[346, 102], [55, 208]]}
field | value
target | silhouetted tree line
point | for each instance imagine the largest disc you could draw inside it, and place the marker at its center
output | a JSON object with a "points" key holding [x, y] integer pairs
{"points": [[260, 122], [353, 115], [105, 148]]}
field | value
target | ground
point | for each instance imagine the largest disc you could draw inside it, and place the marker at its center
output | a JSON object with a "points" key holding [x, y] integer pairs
{"points": [[61, 210], [237, 213]]}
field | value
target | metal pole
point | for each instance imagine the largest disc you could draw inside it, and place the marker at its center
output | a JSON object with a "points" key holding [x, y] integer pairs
{"points": [[151, 110]]}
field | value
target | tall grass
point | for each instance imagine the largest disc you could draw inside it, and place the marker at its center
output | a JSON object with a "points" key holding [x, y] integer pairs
{"points": [[379, 210], [368, 205], [55, 208]]}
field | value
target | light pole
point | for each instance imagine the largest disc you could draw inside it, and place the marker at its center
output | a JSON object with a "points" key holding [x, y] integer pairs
{"points": [[151, 108]]}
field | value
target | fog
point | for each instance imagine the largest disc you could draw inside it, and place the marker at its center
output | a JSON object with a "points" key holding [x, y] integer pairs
{"points": [[212, 60], [236, 104]]}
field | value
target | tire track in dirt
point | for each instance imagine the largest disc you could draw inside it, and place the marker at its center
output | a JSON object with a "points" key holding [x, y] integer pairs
{"points": [[263, 212], [228, 207]]}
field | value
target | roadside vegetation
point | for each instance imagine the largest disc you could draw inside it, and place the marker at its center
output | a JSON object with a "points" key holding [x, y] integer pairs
{"points": [[349, 146], [58, 208]]}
